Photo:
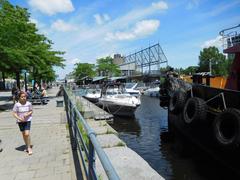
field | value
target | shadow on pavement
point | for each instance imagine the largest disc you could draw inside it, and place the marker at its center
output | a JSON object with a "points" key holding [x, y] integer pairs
{"points": [[4, 107], [21, 148], [76, 159], [6, 103]]}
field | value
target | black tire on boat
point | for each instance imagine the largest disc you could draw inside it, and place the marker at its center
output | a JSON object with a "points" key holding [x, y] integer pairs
{"points": [[177, 102], [194, 110], [227, 127]]}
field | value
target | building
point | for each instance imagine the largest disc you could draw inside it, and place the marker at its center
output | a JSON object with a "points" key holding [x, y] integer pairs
{"points": [[127, 69]]}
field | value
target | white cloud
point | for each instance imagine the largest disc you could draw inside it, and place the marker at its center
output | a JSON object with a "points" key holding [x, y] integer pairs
{"points": [[106, 17], [146, 27], [213, 42], [74, 61], [51, 7], [192, 4], [120, 36], [89, 42], [141, 29], [161, 5], [32, 20], [101, 19], [60, 25]]}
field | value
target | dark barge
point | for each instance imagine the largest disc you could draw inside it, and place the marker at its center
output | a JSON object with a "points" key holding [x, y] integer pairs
{"points": [[208, 117]]}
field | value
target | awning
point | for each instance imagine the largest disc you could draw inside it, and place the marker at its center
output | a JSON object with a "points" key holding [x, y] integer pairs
{"points": [[70, 80], [98, 78], [117, 78], [85, 78]]}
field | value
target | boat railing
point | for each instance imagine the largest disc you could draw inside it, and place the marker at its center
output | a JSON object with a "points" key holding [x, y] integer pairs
{"points": [[230, 36], [79, 128]]}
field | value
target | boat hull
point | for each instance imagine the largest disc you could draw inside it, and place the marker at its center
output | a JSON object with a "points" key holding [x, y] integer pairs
{"points": [[118, 109], [92, 99], [202, 133]]}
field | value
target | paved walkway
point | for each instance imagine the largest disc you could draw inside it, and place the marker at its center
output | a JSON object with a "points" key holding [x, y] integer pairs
{"points": [[52, 157]]}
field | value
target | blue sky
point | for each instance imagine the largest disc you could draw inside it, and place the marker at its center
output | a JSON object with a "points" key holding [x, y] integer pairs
{"points": [[87, 30]]}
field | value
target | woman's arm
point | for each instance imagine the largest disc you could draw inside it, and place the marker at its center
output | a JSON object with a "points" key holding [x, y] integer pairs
{"points": [[17, 117], [28, 114]]}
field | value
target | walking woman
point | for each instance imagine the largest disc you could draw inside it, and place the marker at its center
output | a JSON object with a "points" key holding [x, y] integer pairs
{"points": [[22, 111]]}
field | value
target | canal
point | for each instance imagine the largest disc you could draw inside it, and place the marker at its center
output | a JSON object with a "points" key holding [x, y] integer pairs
{"points": [[143, 135]]}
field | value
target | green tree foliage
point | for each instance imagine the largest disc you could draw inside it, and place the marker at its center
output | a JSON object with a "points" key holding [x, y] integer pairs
{"points": [[190, 70], [84, 69], [163, 70], [106, 67], [21, 47], [219, 63]]}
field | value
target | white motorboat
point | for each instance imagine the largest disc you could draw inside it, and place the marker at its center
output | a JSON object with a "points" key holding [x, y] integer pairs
{"points": [[153, 90], [131, 89], [118, 102], [93, 95]]}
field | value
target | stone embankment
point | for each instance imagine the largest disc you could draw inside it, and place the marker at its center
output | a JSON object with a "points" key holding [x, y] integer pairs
{"points": [[127, 163]]}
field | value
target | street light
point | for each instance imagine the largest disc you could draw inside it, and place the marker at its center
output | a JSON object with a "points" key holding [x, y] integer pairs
{"points": [[25, 79], [210, 66]]}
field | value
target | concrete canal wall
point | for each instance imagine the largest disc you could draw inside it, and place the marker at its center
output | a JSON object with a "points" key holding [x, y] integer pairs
{"points": [[127, 163]]}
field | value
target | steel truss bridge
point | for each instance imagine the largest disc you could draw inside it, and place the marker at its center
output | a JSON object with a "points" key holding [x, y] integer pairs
{"points": [[146, 60]]}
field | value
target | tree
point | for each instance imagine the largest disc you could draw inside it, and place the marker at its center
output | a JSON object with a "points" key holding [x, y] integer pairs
{"points": [[106, 67], [212, 57], [190, 70], [20, 45], [84, 69]]}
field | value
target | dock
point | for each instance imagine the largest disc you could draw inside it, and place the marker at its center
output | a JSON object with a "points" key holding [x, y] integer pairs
{"points": [[53, 157]]}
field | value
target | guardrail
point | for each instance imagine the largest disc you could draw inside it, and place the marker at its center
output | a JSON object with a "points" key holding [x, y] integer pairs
{"points": [[87, 154]]}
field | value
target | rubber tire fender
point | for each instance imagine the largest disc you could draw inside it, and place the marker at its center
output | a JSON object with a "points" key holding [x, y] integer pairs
{"points": [[227, 127], [195, 110], [177, 102]]}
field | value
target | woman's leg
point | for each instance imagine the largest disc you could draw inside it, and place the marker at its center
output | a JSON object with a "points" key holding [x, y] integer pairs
{"points": [[27, 140]]}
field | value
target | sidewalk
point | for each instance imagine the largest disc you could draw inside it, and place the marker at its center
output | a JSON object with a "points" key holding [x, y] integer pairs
{"points": [[52, 157]]}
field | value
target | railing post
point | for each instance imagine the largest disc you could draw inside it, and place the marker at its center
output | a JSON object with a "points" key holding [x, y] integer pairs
{"points": [[91, 162], [66, 100], [94, 146], [70, 114], [75, 126]]}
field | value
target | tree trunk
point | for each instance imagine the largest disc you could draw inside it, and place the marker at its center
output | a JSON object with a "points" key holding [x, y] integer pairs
{"points": [[18, 79]]}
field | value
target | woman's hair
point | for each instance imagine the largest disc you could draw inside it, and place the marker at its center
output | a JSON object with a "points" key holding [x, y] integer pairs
{"points": [[22, 92]]}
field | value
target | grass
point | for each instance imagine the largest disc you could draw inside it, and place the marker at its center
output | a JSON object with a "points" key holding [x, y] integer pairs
{"points": [[83, 132], [120, 144], [109, 131]]}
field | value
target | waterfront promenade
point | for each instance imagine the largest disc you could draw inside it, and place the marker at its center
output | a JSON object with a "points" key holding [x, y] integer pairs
{"points": [[52, 155]]}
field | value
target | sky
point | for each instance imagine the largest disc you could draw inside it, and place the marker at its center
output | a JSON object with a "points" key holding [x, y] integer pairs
{"points": [[87, 30]]}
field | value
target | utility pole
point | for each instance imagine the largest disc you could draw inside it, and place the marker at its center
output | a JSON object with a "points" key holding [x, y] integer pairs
{"points": [[210, 66], [25, 80]]}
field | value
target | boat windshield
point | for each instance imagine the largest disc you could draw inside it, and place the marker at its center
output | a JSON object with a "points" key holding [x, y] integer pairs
{"points": [[113, 91], [94, 91], [129, 85]]}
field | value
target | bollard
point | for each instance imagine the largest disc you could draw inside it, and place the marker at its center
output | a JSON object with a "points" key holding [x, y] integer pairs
{"points": [[59, 103]]}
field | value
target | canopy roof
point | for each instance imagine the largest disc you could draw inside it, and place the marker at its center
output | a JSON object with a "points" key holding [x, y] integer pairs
{"points": [[117, 78], [98, 78]]}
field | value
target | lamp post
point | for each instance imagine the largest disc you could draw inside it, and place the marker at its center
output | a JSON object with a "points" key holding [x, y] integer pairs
{"points": [[210, 66], [25, 79]]}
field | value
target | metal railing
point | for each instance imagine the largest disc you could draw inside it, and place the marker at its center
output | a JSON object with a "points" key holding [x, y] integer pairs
{"points": [[230, 36], [86, 151]]}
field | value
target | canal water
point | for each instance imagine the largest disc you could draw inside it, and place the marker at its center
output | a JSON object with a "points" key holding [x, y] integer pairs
{"points": [[143, 135]]}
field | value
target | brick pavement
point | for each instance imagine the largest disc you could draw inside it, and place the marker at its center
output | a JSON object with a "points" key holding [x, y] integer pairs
{"points": [[52, 157]]}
